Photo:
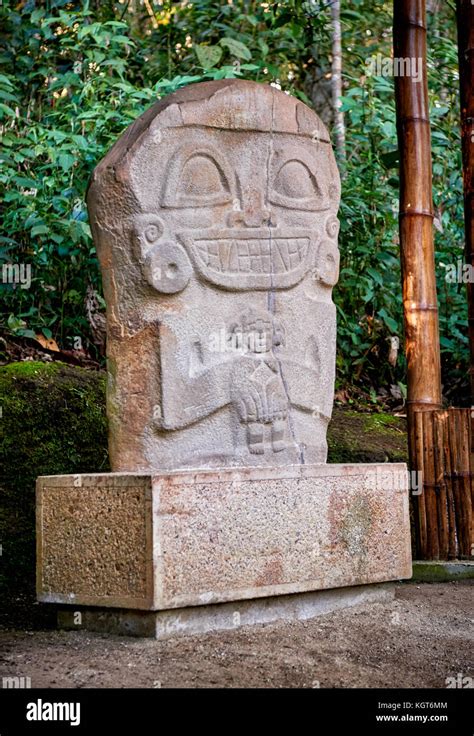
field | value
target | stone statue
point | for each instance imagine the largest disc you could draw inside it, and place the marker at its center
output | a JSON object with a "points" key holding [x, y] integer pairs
{"points": [[215, 220]]}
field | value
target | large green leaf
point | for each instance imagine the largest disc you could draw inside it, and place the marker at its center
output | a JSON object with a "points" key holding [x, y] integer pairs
{"points": [[208, 56], [236, 48]]}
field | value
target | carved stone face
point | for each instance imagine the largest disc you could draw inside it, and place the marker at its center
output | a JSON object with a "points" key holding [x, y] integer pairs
{"points": [[216, 209], [240, 210]]}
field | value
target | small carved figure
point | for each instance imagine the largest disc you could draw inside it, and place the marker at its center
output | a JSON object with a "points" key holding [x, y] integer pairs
{"points": [[257, 389]]}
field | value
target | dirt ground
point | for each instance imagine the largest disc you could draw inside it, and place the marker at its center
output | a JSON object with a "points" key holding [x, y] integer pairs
{"points": [[418, 640]]}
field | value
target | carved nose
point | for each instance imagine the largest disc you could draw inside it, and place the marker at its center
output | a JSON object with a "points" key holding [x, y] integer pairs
{"points": [[256, 217], [253, 214]]}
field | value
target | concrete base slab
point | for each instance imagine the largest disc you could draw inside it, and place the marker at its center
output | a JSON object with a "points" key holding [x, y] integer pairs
{"points": [[436, 571], [223, 616], [196, 538]]}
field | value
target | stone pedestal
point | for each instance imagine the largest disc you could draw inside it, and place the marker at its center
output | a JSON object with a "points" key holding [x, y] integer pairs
{"points": [[195, 538]]}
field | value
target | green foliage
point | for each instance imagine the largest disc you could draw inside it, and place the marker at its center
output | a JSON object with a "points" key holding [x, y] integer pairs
{"points": [[74, 75], [369, 292]]}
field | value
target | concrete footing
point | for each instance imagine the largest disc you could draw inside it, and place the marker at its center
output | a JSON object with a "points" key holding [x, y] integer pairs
{"points": [[222, 616]]}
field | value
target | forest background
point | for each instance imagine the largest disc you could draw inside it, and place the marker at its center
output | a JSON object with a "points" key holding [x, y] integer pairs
{"points": [[74, 75]]}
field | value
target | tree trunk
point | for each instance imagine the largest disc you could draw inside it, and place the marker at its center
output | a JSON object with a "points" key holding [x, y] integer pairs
{"points": [[336, 81], [420, 304], [465, 20]]}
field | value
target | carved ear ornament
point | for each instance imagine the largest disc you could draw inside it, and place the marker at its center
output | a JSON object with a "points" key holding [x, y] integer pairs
{"points": [[167, 267], [165, 264], [332, 226], [148, 229], [327, 263]]}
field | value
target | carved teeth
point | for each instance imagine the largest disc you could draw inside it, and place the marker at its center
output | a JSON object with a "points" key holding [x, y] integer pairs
{"points": [[253, 255]]}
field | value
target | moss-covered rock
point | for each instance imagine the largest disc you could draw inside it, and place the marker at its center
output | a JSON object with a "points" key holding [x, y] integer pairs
{"points": [[356, 437], [52, 421]]}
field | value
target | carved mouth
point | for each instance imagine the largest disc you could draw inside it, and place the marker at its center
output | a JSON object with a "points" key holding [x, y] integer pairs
{"points": [[250, 260]]}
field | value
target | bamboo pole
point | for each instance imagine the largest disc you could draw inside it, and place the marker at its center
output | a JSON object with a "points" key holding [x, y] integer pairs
{"points": [[429, 487], [465, 482], [416, 214], [449, 478], [419, 500], [465, 23], [444, 513], [459, 441], [454, 452], [439, 428]]}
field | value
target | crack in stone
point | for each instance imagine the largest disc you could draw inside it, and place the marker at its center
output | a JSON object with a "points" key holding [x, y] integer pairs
{"points": [[271, 293]]}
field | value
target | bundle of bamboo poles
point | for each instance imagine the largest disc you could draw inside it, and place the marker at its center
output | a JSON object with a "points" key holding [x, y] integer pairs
{"points": [[439, 442], [443, 507]]}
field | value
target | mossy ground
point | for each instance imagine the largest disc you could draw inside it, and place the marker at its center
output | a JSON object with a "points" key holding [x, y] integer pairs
{"points": [[356, 437], [53, 421]]}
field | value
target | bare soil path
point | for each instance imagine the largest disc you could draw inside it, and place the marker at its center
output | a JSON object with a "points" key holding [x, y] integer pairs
{"points": [[423, 637]]}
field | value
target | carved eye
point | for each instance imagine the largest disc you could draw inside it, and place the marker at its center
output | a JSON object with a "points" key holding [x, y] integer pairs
{"points": [[294, 180], [201, 178], [299, 180]]}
